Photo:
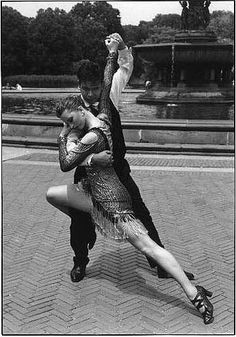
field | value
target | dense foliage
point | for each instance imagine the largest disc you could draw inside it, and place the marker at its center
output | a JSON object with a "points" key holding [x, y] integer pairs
{"points": [[14, 42], [42, 81], [54, 41], [164, 27], [222, 23]]}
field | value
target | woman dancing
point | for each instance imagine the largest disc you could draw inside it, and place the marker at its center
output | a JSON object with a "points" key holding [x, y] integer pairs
{"points": [[102, 194]]}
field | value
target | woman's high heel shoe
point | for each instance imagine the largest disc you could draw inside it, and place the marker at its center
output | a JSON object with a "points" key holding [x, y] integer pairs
{"points": [[203, 305]]}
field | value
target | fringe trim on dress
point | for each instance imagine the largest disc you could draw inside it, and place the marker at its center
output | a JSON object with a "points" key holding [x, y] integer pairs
{"points": [[118, 225]]}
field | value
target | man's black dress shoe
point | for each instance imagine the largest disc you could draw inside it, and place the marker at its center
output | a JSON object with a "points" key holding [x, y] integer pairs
{"points": [[77, 273], [163, 274]]}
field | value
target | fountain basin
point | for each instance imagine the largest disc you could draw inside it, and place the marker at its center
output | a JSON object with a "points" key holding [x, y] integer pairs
{"points": [[182, 72], [186, 53]]}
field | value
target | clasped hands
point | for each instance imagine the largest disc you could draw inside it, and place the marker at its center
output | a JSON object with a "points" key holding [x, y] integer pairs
{"points": [[114, 42]]}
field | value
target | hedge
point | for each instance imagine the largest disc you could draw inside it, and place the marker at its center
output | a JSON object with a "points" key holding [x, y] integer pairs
{"points": [[42, 81]]}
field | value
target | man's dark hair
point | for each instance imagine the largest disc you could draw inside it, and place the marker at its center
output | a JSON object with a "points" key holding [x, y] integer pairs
{"points": [[89, 71]]}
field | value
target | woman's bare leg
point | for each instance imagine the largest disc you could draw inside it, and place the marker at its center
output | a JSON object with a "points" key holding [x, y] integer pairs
{"points": [[63, 197], [69, 196], [148, 247]]}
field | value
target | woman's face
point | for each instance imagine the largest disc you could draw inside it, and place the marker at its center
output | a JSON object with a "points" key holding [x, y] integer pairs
{"points": [[75, 118]]}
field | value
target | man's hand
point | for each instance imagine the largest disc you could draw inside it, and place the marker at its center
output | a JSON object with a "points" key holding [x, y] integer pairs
{"points": [[118, 38], [102, 159]]}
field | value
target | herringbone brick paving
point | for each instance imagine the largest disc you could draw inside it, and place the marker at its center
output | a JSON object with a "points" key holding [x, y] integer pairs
{"points": [[193, 212], [140, 160]]}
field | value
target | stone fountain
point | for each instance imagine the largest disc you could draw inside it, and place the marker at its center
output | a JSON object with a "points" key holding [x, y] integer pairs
{"points": [[194, 68]]}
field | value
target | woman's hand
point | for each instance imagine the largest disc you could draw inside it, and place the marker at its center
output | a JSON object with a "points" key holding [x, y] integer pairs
{"points": [[65, 130]]}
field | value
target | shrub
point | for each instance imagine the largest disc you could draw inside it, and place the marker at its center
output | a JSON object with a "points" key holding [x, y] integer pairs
{"points": [[42, 81]]}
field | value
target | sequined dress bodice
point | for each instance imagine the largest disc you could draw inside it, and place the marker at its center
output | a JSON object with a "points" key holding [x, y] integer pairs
{"points": [[104, 184]]}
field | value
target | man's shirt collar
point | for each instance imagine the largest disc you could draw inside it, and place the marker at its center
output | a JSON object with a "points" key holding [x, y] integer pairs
{"points": [[87, 105]]}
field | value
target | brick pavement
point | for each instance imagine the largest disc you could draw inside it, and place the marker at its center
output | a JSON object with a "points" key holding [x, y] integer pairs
{"points": [[193, 211]]}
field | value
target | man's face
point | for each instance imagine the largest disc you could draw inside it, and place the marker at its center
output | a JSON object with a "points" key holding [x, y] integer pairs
{"points": [[91, 91]]}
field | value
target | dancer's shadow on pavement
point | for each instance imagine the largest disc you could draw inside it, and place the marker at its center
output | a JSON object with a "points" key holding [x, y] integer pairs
{"points": [[141, 274]]}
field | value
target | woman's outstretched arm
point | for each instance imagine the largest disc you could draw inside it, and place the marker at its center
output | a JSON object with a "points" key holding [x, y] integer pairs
{"points": [[112, 46]]}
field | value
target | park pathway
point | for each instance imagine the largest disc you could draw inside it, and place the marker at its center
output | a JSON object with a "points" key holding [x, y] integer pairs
{"points": [[191, 202]]}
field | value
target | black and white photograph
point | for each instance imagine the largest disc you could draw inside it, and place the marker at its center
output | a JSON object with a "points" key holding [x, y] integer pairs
{"points": [[117, 147]]}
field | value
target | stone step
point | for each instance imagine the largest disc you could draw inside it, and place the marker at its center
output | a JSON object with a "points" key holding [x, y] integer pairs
{"points": [[51, 143]]}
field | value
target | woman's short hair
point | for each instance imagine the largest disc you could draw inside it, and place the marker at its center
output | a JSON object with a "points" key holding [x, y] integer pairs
{"points": [[70, 103]]}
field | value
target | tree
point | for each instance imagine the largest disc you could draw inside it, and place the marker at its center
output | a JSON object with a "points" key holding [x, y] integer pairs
{"points": [[167, 20], [50, 47], [108, 16], [161, 35], [134, 35], [161, 29], [92, 23], [222, 23], [14, 42], [88, 40]]}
